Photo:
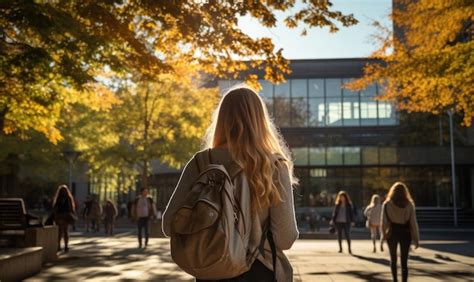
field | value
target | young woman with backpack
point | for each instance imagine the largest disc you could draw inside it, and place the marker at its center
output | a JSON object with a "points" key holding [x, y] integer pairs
{"points": [[244, 146], [399, 226]]}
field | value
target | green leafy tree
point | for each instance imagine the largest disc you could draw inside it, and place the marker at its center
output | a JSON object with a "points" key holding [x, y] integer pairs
{"points": [[428, 66], [47, 47]]}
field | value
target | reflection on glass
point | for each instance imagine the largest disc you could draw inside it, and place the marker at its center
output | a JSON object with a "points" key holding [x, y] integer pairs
{"points": [[282, 90], [370, 91], [317, 156], [334, 155], [299, 112], [316, 112], [281, 107], [334, 111], [370, 155], [333, 87], [267, 89], [316, 88], [368, 111], [350, 110], [386, 113], [299, 88], [317, 172], [269, 104], [388, 155], [351, 155], [347, 92], [300, 155]]}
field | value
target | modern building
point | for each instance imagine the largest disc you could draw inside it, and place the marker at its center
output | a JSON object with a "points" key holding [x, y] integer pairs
{"points": [[346, 140]]}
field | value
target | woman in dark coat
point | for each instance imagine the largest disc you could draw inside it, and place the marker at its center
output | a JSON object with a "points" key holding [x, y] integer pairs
{"points": [[64, 212], [343, 218]]}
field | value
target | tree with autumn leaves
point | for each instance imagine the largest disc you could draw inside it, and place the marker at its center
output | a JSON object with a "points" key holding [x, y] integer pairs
{"points": [[427, 64], [107, 77]]}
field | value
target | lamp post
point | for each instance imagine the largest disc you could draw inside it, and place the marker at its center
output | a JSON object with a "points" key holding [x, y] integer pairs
{"points": [[70, 156], [453, 168]]}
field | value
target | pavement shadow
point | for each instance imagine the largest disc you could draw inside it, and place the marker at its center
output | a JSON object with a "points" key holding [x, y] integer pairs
{"points": [[458, 248], [424, 260], [361, 275], [381, 261]]}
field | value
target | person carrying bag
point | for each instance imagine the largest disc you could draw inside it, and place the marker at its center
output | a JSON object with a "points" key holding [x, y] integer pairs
{"points": [[232, 212]]}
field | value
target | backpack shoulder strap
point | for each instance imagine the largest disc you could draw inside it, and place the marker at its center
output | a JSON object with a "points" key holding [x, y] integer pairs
{"points": [[203, 159]]}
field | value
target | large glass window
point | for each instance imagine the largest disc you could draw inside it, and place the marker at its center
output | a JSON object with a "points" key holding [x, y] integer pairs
{"points": [[370, 155], [386, 113], [368, 111], [316, 88], [299, 112], [351, 155], [282, 90], [388, 155], [282, 109], [317, 113], [299, 88], [299, 103], [333, 87], [350, 111], [322, 102], [267, 89], [334, 155], [333, 111], [317, 156], [300, 155]]}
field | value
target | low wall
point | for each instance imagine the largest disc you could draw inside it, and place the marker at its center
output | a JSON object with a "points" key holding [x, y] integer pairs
{"points": [[18, 264], [45, 237]]}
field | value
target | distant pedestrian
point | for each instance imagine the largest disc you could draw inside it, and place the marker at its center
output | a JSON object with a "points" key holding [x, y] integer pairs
{"points": [[64, 213], [143, 210], [110, 213], [94, 215], [87, 205], [399, 226], [343, 218], [123, 210], [373, 213]]}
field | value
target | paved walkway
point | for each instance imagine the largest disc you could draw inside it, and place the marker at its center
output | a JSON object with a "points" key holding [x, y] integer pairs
{"points": [[118, 258]]}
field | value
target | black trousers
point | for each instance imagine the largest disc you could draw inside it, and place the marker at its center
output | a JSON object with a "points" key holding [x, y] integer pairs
{"points": [[257, 273], [142, 225], [399, 235], [346, 227]]}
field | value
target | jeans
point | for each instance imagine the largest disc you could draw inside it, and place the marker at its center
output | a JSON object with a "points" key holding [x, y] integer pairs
{"points": [[399, 234], [142, 224], [346, 227]]}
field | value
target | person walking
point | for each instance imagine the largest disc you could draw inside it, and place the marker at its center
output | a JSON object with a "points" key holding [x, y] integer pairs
{"points": [[110, 213], [373, 213], [64, 214], [343, 218], [143, 210], [87, 206], [399, 226], [94, 214], [242, 134]]}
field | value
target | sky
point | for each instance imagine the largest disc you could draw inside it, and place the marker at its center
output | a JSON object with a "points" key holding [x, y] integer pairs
{"points": [[348, 42]]}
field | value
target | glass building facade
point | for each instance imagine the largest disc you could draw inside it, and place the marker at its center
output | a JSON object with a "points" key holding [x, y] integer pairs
{"points": [[347, 140]]}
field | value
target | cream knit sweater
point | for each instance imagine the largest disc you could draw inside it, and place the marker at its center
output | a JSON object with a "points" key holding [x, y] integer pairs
{"points": [[283, 221]]}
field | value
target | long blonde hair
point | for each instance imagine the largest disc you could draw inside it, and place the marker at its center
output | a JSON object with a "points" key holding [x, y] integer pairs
{"points": [[63, 191], [399, 195], [375, 200], [242, 124]]}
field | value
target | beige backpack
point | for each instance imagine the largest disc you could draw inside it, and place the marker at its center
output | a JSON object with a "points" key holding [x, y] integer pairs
{"points": [[210, 231]]}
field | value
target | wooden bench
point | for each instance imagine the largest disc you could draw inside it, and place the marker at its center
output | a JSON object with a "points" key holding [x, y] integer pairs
{"points": [[18, 229]]}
